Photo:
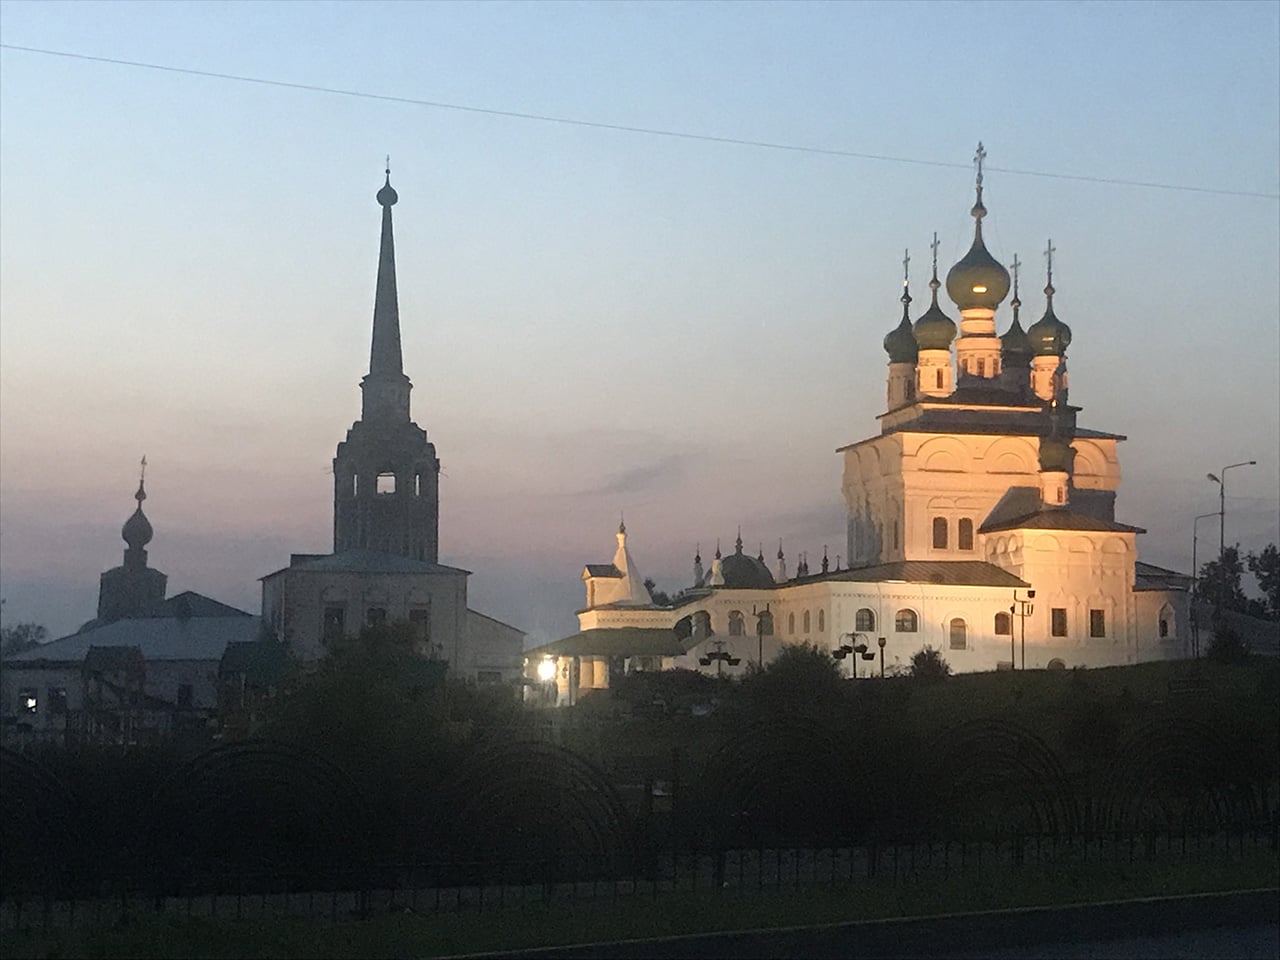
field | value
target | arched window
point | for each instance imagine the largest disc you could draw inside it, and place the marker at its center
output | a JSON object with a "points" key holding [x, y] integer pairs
{"points": [[939, 533], [982, 367], [1167, 623], [791, 623], [806, 621], [906, 621], [959, 635], [1004, 625], [822, 620], [702, 625], [864, 621], [964, 534], [736, 627]]}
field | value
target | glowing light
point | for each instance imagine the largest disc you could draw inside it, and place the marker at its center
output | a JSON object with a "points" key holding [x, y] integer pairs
{"points": [[979, 289], [547, 670]]}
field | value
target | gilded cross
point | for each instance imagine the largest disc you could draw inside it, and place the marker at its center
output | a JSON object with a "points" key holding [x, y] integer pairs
{"points": [[934, 247], [143, 473], [1049, 251], [978, 158], [1016, 264], [906, 260]]}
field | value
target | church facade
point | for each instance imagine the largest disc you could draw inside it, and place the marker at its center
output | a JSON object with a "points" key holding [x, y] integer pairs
{"points": [[981, 522], [385, 565]]}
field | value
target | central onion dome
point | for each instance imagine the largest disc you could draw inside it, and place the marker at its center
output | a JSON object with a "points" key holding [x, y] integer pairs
{"points": [[137, 532], [978, 280]]}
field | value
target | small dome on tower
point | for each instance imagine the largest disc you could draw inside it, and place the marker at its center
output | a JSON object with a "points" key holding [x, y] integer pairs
{"points": [[900, 342], [1015, 345], [137, 532], [387, 196], [1049, 336], [934, 330]]}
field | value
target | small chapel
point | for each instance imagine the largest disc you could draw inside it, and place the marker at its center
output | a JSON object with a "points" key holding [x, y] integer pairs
{"points": [[981, 523]]}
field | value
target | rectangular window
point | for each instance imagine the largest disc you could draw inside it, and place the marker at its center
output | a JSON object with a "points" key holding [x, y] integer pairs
{"points": [[1097, 623], [420, 620], [58, 701], [939, 533], [386, 483], [964, 534], [1058, 621], [895, 535], [28, 700], [376, 616], [184, 694], [334, 627]]}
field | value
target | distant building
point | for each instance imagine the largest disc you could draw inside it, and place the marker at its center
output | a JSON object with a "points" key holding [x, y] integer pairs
{"points": [[978, 489], [143, 668], [385, 563]]}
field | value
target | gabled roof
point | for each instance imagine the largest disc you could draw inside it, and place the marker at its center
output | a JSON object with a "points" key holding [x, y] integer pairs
{"points": [[363, 561], [192, 604], [1147, 576], [619, 642], [501, 623], [602, 570], [1059, 519], [951, 573], [158, 638]]}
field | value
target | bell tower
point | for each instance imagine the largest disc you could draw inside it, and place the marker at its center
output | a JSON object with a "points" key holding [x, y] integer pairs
{"points": [[386, 477]]}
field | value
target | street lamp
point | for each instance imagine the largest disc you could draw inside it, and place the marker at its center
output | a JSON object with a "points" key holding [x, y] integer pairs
{"points": [[1022, 608], [1221, 481], [856, 649], [1195, 582], [720, 656], [881, 641]]}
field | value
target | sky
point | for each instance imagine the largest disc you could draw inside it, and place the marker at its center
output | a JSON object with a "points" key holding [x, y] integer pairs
{"points": [[598, 321]]}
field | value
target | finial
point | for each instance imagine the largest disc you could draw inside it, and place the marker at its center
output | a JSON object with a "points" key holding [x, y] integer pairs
{"points": [[142, 478], [388, 168], [826, 564], [622, 522], [979, 211], [906, 276], [760, 555], [837, 563], [697, 553], [1049, 251], [1015, 302], [780, 557], [717, 548], [387, 196], [934, 284], [738, 543]]}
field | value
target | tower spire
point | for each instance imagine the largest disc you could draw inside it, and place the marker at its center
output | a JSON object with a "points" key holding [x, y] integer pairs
{"points": [[386, 388]]}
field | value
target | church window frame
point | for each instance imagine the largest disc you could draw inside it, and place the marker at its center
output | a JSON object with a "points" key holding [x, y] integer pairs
{"points": [[737, 624], [420, 623], [906, 620], [939, 378], [964, 534], [1166, 623], [958, 634], [375, 617], [384, 484], [822, 620], [982, 367], [791, 623], [941, 533], [333, 622], [806, 621], [764, 619], [1058, 622], [895, 535], [1003, 624], [864, 621], [417, 484], [1097, 624]]}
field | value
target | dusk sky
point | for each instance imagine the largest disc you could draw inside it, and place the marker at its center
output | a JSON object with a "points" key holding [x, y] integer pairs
{"points": [[600, 321]]}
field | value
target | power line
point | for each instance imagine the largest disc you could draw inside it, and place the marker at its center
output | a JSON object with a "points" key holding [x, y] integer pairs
{"points": [[625, 128]]}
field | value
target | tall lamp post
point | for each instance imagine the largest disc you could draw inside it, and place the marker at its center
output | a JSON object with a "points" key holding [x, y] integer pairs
{"points": [[1221, 481], [881, 642], [1195, 582], [857, 649], [1022, 608]]}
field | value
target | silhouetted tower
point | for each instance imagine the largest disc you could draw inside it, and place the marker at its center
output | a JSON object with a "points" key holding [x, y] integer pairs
{"points": [[386, 478], [132, 589]]}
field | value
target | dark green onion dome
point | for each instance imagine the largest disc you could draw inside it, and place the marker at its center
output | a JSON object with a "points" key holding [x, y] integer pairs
{"points": [[935, 330], [900, 342], [137, 532], [978, 280], [1049, 336], [387, 196], [1055, 454], [1015, 345]]}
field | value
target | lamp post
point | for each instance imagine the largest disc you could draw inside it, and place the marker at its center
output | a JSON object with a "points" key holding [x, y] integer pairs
{"points": [[720, 656], [1195, 582], [1221, 481], [760, 616], [1022, 608], [881, 642], [855, 648]]}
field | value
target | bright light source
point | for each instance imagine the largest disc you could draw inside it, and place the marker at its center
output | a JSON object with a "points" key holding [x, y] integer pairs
{"points": [[547, 670], [979, 289]]}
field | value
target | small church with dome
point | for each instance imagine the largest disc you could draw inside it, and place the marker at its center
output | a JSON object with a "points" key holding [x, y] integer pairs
{"points": [[981, 522]]}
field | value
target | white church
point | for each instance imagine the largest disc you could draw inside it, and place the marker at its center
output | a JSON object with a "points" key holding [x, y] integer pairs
{"points": [[981, 522]]}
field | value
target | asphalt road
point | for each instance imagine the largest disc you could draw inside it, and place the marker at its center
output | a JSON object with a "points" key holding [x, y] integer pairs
{"points": [[1261, 942]]}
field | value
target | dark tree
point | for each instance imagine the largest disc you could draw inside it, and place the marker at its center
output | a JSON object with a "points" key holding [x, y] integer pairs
{"points": [[1265, 566], [660, 597], [1220, 581], [20, 638], [1226, 645], [928, 665]]}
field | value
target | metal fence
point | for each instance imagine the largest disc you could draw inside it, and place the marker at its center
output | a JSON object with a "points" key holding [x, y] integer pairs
{"points": [[479, 887]]}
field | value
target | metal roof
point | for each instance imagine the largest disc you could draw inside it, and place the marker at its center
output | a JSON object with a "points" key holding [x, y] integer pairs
{"points": [[619, 642], [159, 638], [1060, 519], [951, 573], [363, 561]]}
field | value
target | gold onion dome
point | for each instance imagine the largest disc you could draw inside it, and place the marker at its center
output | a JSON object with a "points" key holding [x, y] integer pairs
{"points": [[978, 280]]}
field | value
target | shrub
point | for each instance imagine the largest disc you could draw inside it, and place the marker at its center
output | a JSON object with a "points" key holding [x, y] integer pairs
{"points": [[927, 665], [1226, 645]]}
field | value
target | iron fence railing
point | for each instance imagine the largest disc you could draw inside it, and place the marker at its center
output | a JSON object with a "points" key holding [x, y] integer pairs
{"points": [[461, 886]]}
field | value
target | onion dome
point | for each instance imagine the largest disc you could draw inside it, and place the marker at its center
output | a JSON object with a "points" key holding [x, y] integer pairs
{"points": [[387, 196], [1015, 345], [900, 342], [746, 572], [934, 330], [978, 280], [1049, 336], [137, 532]]}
